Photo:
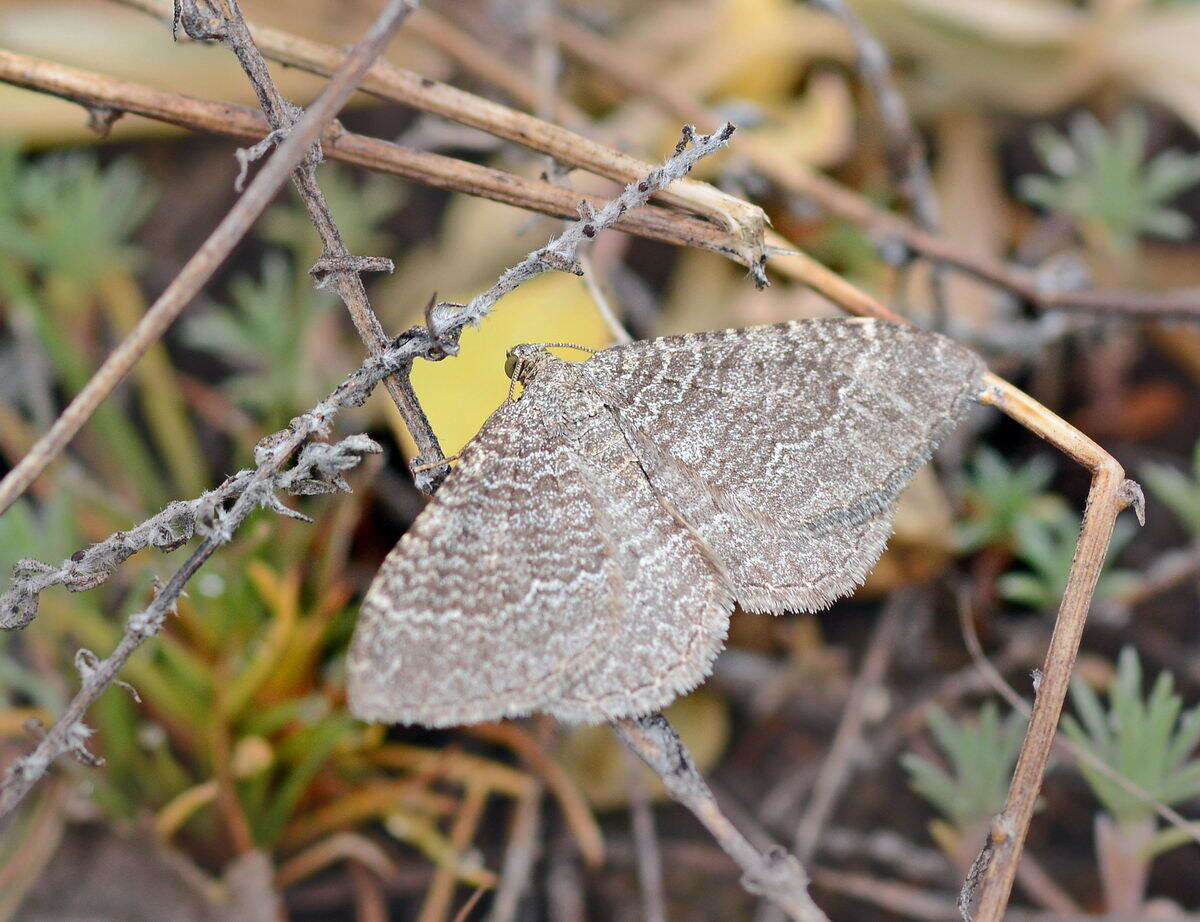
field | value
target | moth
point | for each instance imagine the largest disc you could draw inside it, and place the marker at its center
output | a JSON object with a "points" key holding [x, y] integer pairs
{"points": [[585, 555]]}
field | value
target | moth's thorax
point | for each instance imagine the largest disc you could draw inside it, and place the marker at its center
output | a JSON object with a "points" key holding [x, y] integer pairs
{"points": [[530, 362]]}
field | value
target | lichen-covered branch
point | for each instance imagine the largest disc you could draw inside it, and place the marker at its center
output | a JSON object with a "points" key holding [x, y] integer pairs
{"points": [[318, 470], [446, 319]]}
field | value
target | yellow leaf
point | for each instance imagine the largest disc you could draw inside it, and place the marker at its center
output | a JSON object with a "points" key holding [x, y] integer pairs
{"points": [[460, 393]]}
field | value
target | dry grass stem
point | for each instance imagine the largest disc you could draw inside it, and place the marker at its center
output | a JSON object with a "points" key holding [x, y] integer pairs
{"points": [[572, 802], [905, 149], [838, 769], [341, 846], [93, 89], [440, 895], [520, 855], [997, 682]]}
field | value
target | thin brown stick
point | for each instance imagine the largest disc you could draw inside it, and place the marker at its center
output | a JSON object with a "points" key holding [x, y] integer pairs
{"points": [[780, 167], [564, 889], [837, 770], [645, 841], [775, 875], [571, 801], [370, 903], [91, 89], [340, 846], [465, 913], [478, 59], [200, 268], [745, 222], [892, 896], [439, 896], [1166, 572], [905, 150], [996, 680], [1110, 493]]}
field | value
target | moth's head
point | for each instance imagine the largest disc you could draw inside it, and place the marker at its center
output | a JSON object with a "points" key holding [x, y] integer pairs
{"points": [[523, 361]]}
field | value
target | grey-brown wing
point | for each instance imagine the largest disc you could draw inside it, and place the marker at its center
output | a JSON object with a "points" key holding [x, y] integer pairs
{"points": [[785, 446], [526, 586]]}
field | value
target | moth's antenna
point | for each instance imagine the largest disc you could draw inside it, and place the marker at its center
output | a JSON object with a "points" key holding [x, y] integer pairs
{"points": [[567, 346], [445, 462]]}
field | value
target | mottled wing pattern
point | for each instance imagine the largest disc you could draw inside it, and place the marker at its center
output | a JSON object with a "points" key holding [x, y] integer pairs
{"points": [[543, 577], [786, 445], [671, 599]]}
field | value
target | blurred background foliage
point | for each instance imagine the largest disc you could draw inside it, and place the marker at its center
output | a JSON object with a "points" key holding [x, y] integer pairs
{"points": [[1061, 134]]}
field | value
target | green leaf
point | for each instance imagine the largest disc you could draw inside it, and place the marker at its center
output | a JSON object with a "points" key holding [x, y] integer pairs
{"points": [[1145, 738], [981, 754], [1100, 178]]}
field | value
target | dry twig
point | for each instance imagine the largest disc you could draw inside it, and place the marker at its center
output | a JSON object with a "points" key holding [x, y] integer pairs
{"points": [[645, 841], [905, 150], [90, 89], [200, 268], [838, 768], [520, 855], [743, 221], [781, 168], [336, 266], [997, 682], [775, 875], [319, 470]]}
